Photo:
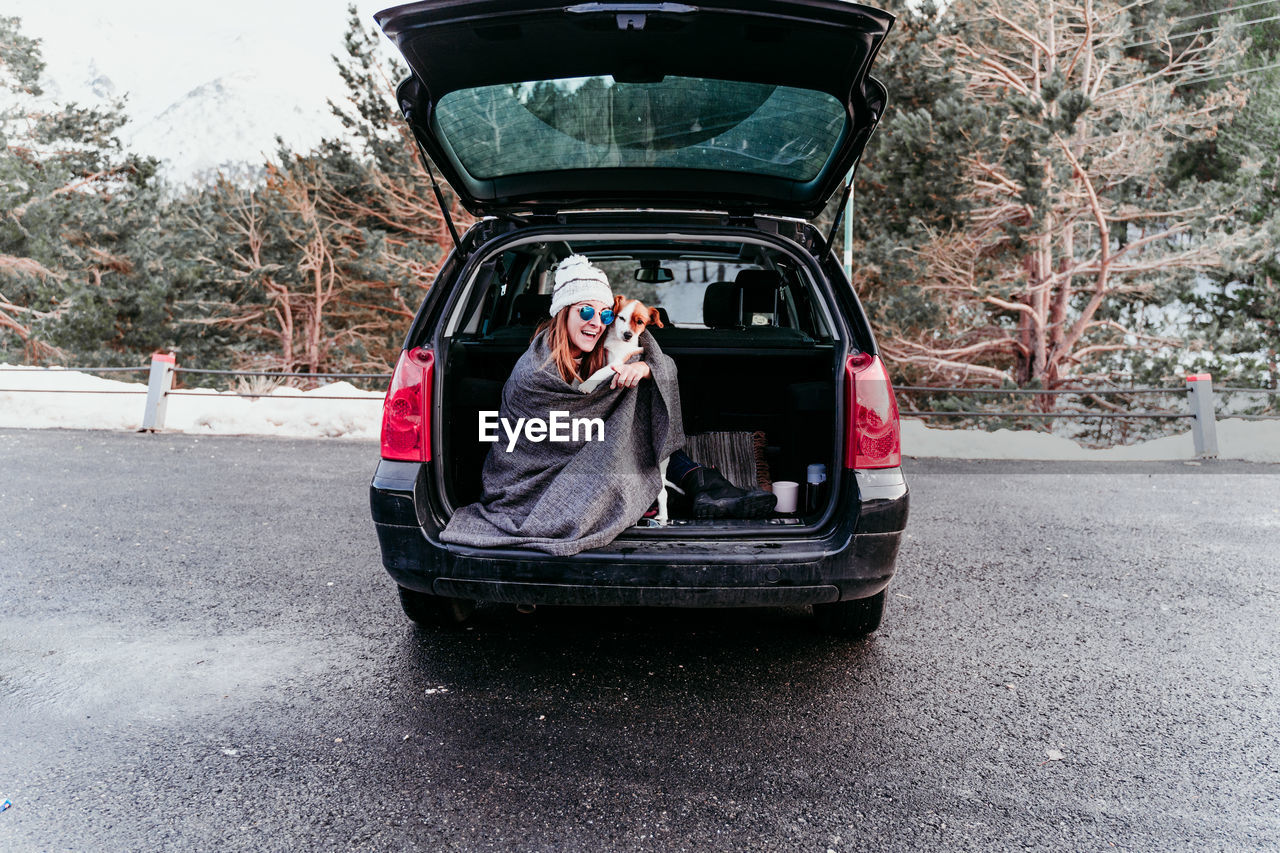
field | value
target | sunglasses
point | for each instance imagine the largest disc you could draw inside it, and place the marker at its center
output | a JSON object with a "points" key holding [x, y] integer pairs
{"points": [[586, 312]]}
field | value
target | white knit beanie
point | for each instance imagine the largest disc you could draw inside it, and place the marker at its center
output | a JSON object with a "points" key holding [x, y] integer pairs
{"points": [[579, 280]]}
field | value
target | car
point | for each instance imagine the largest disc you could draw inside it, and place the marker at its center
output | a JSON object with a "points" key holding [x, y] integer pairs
{"points": [[685, 150]]}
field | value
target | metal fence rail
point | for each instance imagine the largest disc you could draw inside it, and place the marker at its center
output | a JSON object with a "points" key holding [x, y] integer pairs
{"points": [[1081, 415], [215, 394], [316, 376], [1040, 391]]}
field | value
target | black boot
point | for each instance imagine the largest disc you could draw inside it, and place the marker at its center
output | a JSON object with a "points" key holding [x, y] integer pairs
{"points": [[709, 495]]}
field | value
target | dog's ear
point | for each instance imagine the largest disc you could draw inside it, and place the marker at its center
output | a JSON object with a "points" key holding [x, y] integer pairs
{"points": [[655, 317], [618, 301]]}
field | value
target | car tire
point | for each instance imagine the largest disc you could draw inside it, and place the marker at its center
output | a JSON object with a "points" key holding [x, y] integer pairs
{"points": [[856, 618], [435, 611]]}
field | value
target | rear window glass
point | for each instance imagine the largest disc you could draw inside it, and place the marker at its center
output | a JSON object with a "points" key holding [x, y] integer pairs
{"points": [[704, 291], [679, 122]]}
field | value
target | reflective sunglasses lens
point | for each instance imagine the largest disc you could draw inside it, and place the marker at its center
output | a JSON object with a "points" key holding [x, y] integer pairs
{"points": [[586, 312]]}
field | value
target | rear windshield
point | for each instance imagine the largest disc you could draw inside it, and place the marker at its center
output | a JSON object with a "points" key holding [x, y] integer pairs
{"points": [[678, 122]]}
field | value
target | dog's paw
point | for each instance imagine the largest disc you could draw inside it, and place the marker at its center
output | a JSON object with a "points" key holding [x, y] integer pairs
{"points": [[595, 380]]}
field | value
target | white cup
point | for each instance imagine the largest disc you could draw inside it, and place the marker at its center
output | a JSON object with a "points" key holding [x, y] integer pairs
{"points": [[787, 492]]}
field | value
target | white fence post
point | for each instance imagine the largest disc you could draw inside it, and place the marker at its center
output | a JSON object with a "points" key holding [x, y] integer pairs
{"points": [[1204, 429], [158, 384]]}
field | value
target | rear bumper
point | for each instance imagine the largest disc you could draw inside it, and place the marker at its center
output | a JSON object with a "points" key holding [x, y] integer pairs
{"points": [[852, 557]]}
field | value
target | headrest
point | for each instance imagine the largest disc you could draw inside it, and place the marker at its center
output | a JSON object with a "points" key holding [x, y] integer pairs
{"points": [[759, 278], [530, 308], [761, 302], [721, 308], [759, 288]]}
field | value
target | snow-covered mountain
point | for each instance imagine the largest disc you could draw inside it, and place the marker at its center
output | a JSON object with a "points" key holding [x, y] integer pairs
{"points": [[230, 124], [99, 84]]}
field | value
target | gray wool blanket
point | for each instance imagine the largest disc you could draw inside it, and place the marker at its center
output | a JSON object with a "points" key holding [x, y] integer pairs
{"points": [[570, 496]]}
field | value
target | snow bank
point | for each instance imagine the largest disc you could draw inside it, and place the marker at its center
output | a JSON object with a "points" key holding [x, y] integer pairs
{"points": [[285, 412]]}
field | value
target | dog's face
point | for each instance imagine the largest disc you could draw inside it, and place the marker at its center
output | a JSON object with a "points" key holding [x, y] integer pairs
{"points": [[630, 317]]}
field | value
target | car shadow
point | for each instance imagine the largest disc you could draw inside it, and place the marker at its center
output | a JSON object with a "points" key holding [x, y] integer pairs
{"points": [[769, 647]]}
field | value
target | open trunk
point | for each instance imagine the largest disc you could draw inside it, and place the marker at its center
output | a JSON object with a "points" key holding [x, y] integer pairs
{"points": [[745, 105], [759, 353]]}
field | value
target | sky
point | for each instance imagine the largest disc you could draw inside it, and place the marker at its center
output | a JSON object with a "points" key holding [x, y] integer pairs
{"points": [[293, 413], [157, 52]]}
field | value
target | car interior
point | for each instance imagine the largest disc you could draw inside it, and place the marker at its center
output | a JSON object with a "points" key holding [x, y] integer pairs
{"points": [[753, 341]]}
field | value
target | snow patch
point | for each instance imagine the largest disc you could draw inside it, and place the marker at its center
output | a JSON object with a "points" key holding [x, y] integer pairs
{"points": [[285, 412]]}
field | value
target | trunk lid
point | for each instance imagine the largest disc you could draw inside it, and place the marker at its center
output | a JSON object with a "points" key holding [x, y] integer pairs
{"points": [[763, 106]]}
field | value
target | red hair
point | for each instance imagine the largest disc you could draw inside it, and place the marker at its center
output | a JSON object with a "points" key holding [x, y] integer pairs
{"points": [[557, 329]]}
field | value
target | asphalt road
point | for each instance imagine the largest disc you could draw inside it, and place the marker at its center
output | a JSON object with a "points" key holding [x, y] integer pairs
{"points": [[199, 649]]}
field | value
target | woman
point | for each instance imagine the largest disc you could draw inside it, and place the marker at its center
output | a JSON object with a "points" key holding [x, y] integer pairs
{"points": [[566, 496]]}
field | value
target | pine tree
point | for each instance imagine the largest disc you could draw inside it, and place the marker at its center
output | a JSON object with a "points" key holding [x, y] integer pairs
{"points": [[1237, 315], [1227, 317], [77, 268], [1069, 215], [908, 186], [1235, 309]]}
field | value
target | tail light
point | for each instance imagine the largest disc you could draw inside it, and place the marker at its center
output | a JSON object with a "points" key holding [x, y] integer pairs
{"points": [[871, 431], [406, 411]]}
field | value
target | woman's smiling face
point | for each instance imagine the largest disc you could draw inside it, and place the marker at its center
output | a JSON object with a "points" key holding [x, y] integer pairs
{"points": [[585, 334]]}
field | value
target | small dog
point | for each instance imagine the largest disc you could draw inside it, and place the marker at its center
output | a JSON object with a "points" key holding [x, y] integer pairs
{"points": [[630, 318]]}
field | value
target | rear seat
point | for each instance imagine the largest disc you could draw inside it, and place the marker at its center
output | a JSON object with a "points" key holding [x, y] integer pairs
{"points": [[527, 311], [731, 311]]}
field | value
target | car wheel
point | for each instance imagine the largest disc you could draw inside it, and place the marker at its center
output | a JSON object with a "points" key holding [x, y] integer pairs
{"points": [[435, 611], [856, 618]]}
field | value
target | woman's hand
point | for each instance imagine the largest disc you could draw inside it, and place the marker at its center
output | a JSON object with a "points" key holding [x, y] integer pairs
{"points": [[629, 375]]}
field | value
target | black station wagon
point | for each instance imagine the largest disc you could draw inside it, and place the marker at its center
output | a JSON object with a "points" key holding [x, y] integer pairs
{"points": [[684, 149]]}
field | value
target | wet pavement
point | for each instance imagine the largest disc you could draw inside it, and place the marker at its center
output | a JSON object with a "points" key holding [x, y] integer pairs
{"points": [[199, 649]]}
